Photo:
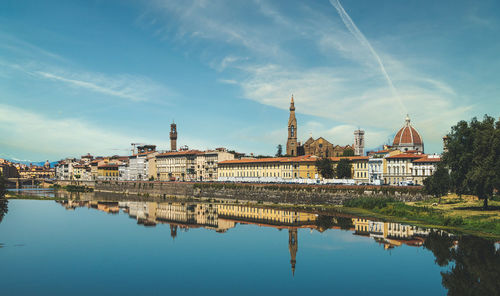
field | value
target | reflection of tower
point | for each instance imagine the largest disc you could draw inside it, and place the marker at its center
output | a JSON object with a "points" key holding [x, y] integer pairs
{"points": [[173, 231], [292, 246], [359, 142], [291, 143], [173, 136]]}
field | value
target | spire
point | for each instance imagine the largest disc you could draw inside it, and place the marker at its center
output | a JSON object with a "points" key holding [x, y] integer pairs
{"points": [[407, 119], [292, 104]]}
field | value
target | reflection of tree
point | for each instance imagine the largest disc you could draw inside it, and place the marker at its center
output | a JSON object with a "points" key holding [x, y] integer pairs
{"points": [[3, 201], [476, 270], [440, 244]]}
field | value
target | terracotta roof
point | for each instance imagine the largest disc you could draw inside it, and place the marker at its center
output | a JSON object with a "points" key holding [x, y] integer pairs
{"points": [[406, 155], [109, 165], [351, 158], [407, 135], [426, 158], [173, 153], [305, 158]]}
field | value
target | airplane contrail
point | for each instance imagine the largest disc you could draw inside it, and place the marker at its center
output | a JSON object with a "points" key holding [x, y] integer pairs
{"points": [[351, 26]]}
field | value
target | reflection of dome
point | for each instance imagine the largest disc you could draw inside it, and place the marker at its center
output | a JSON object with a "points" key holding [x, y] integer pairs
{"points": [[47, 164], [408, 138]]}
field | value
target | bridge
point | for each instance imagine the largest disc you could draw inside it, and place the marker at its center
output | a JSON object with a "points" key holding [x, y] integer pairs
{"points": [[20, 182]]}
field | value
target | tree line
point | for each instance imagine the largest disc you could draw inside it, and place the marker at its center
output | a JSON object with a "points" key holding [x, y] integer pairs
{"points": [[470, 162]]}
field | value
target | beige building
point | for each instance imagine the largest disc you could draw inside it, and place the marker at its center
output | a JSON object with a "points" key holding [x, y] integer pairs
{"points": [[424, 167], [400, 168], [177, 165], [207, 163], [268, 169]]}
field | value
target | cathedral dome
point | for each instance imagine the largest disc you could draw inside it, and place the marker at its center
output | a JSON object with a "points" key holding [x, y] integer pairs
{"points": [[407, 138]]}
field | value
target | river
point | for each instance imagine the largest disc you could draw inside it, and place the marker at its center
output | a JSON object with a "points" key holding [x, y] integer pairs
{"points": [[93, 244]]}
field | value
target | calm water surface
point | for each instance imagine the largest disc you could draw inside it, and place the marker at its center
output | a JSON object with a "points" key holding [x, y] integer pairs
{"points": [[186, 248]]}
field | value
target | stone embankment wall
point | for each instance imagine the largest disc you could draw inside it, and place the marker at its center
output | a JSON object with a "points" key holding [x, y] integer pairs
{"points": [[276, 193]]}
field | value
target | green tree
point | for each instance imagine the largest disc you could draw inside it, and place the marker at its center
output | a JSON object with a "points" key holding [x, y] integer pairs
{"points": [[473, 157], [439, 183], [279, 152], [348, 152], [344, 169], [325, 168]]}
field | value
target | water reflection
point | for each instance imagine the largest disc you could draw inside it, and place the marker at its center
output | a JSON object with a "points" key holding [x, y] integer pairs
{"points": [[223, 217]]}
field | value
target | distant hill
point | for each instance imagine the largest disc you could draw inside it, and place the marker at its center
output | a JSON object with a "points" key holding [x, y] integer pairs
{"points": [[27, 162]]}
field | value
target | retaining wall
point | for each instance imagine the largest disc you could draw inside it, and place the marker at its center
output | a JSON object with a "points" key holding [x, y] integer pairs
{"points": [[276, 193]]}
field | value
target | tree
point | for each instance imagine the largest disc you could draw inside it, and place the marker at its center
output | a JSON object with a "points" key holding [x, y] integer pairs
{"points": [[348, 152], [279, 153], [473, 157], [438, 184], [344, 169], [325, 168]]}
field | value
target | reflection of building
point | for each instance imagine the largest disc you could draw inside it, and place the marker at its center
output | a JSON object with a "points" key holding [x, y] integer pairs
{"points": [[293, 247], [265, 215], [391, 234]]}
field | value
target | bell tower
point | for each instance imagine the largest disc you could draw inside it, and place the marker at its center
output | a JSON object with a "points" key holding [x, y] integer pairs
{"points": [[291, 143], [293, 247], [173, 136]]}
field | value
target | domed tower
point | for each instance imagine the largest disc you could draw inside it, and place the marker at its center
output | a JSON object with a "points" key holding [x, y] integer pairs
{"points": [[291, 143], [408, 138]]}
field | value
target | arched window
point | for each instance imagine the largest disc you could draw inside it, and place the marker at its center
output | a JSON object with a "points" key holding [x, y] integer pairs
{"points": [[292, 130]]}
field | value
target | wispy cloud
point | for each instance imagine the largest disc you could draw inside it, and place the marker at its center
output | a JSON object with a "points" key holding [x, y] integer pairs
{"points": [[351, 26], [353, 87], [124, 86]]}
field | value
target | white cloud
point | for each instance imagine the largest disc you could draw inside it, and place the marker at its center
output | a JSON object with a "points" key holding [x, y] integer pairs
{"points": [[32, 135], [124, 86], [353, 87]]}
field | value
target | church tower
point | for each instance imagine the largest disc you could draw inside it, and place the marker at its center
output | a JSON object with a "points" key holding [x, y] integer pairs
{"points": [[292, 246], [173, 136], [291, 143], [359, 142]]}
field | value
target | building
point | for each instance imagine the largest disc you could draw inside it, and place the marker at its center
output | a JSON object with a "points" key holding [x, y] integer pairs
{"points": [[376, 170], [272, 169], [177, 165], [424, 167], [7, 169], [359, 142], [319, 147], [64, 169], [207, 163], [173, 137], [138, 165], [408, 139], [108, 172], [359, 167], [400, 168], [82, 172], [291, 143]]}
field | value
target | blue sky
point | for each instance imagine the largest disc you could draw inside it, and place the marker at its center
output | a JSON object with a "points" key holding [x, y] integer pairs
{"points": [[95, 76]]}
